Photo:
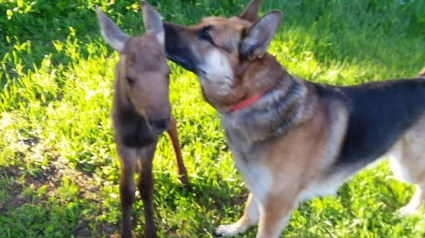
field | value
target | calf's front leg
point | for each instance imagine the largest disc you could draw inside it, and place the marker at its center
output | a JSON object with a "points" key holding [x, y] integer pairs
{"points": [[145, 186], [128, 162]]}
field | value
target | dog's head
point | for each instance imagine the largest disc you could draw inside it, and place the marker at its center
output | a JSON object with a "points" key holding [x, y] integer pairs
{"points": [[226, 54]]}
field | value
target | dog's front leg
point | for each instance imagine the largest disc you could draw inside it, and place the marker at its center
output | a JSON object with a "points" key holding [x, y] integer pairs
{"points": [[250, 217], [275, 215]]}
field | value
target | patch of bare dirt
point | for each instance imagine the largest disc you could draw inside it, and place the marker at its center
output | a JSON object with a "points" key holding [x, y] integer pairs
{"points": [[15, 180]]}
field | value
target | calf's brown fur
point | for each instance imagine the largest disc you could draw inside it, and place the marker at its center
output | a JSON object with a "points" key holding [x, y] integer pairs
{"points": [[140, 111]]}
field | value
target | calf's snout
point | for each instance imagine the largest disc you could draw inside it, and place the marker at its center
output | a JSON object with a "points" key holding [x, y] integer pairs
{"points": [[159, 126]]}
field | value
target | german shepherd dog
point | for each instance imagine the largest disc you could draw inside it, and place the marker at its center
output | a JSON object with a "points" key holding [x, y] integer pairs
{"points": [[292, 139]]}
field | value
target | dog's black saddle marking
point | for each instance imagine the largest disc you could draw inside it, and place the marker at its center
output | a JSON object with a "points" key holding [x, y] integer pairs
{"points": [[379, 114]]}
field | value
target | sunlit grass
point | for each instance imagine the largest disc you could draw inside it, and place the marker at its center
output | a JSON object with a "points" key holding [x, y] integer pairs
{"points": [[58, 169]]}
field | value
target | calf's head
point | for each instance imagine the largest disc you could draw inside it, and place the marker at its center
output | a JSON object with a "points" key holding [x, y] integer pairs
{"points": [[142, 73]]}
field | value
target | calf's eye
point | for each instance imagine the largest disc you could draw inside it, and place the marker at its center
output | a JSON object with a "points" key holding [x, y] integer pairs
{"points": [[129, 80]]}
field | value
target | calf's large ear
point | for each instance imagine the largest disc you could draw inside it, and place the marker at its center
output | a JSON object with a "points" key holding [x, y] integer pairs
{"points": [[153, 21], [111, 33]]}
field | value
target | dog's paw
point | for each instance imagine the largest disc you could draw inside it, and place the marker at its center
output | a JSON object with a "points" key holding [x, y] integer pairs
{"points": [[228, 230]]}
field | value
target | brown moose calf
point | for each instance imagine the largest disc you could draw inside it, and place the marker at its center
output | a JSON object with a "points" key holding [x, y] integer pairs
{"points": [[140, 111]]}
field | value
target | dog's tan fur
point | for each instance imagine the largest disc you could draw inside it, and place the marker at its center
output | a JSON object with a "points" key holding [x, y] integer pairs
{"points": [[408, 164], [286, 144], [295, 172]]}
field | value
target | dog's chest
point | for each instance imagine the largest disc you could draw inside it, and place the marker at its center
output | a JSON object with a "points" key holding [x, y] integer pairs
{"points": [[256, 175]]}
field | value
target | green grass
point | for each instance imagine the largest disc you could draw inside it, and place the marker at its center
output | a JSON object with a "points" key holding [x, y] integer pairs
{"points": [[58, 169]]}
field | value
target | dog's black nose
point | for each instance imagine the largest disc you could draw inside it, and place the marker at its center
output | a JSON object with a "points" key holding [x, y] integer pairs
{"points": [[159, 126]]}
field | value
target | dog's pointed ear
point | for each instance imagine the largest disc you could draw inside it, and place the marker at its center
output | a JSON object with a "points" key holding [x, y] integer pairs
{"points": [[250, 12], [110, 32], [153, 21], [257, 37]]}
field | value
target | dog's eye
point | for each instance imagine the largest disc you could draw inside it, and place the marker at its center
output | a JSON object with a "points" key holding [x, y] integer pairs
{"points": [[204, 34]]}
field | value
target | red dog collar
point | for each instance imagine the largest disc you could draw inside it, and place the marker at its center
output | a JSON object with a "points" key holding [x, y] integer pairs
{"points": [[247, 101]]}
